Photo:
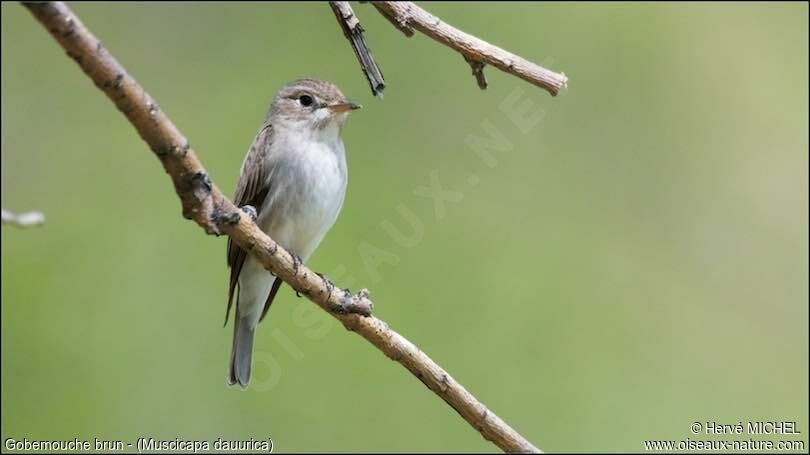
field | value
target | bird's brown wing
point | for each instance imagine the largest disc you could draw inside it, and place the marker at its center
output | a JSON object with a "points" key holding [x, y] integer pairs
{"points": [[251, 189]]}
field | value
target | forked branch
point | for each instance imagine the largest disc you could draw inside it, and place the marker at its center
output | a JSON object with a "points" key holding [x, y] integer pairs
{"points": [[203, 202], [407, 17]]}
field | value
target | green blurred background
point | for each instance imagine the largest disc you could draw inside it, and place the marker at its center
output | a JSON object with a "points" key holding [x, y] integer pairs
{"points": [[635, 260]]}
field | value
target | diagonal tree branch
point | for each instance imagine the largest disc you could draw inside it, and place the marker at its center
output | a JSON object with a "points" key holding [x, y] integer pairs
{"points": [[354, 33], [203, 202], [23, 220], [407, 16]]}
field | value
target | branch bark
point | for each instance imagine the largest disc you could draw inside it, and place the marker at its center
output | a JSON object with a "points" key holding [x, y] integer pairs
{"points": [[203, 202], [353, 32], [23, 220], [407, 16]]}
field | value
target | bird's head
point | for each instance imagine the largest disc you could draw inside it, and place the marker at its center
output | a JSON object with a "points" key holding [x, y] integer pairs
{"points": [[311, 104]]}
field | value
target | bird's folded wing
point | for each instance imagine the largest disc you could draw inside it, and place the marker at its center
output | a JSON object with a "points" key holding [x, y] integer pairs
{"points": [[251, 189]]}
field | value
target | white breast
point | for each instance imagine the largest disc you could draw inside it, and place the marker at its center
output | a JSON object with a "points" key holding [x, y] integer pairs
{"points": [[307, 191]]}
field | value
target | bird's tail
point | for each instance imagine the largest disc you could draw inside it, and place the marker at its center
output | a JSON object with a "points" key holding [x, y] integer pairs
{"points": [[242, 351]]}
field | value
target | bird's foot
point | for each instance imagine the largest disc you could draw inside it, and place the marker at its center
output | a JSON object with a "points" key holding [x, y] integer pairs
{"points": [[296, 262], [250, 211]]}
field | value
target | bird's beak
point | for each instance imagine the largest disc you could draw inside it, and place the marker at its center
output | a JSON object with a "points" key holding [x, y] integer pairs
{"points": [[344, 106]]}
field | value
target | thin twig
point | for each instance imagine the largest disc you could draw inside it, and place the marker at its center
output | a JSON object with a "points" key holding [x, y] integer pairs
{"points": [[203, 202], [23, 220], [354, 33], [478, 71], [407, 16]]}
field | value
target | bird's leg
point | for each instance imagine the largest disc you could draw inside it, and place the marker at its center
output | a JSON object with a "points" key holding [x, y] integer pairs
{"points": [[250, 211]]}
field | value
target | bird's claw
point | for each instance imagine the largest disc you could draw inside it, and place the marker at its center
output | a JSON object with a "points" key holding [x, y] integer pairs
{"points": [[250, 211], [296, 262]]}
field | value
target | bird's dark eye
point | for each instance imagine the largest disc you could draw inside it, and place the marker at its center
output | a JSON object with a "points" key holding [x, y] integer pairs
{"points": [[305, 100]]}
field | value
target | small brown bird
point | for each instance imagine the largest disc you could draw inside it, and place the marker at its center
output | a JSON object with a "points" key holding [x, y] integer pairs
{"points": [[293, 180]]}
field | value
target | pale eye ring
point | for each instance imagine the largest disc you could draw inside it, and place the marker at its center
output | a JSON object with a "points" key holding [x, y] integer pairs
{"points": [[305, 100]]}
